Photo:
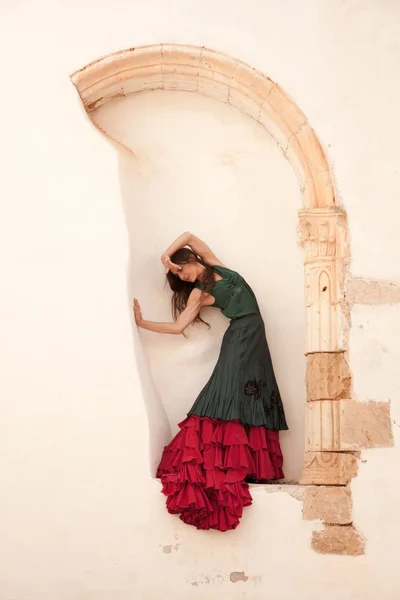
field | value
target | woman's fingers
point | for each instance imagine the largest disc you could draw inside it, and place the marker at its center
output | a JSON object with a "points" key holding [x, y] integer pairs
{"points": [[166, 263], [137, 310], [174, 268], [170, 266]]}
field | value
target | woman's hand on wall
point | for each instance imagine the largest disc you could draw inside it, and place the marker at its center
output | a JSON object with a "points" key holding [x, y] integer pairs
{"points": [[137, 311], [176, 327]]}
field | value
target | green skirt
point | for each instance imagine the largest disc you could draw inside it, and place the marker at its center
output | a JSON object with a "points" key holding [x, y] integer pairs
{"points": [[243, 386]]}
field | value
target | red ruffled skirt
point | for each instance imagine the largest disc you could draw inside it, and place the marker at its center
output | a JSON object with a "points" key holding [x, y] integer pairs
{"points": [[205, 467]]}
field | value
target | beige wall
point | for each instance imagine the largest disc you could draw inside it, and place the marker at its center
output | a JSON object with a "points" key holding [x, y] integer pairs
{"points": [[81, 517]]}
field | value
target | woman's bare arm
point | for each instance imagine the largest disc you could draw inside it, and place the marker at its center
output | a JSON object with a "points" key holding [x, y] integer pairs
{"points": [[180, 242], [197, 245], [201, 248], [195, 302]]}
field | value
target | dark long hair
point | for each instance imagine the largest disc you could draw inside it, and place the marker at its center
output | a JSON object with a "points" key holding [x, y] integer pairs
{"points": [[182, 289]]}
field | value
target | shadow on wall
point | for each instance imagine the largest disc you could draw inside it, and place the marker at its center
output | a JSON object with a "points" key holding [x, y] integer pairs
{"points": [[159, 427], [199, 165]]}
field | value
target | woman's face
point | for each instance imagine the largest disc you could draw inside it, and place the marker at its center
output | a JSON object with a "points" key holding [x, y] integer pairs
{"points": [[188, 272]]}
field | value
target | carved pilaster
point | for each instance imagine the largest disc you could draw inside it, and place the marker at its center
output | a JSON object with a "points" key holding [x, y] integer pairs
{"points": [[322, 233]]}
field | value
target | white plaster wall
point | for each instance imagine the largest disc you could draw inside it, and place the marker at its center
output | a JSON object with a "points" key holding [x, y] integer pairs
{"points": [[79, 516], [202, 166], [375, 356]]}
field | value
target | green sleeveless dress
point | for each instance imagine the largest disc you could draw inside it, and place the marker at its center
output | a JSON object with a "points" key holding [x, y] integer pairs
{"points": [[242, 386]]}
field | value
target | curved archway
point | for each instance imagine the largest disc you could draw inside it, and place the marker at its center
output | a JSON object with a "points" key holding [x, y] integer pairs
{"points": [[201, 70], [322, 224]]}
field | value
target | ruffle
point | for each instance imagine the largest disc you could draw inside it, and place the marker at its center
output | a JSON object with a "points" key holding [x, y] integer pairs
{"points": [[204, 468]]}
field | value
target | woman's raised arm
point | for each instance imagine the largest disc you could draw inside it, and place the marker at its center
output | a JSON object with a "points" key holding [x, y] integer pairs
{"points": [[197, 245]]}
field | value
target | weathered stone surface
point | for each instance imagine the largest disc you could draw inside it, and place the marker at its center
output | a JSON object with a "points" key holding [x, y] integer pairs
{"points": [[323, 234], [338, 539], [346, 425], [365, 425], [329, 504], [367, 291], [323, 426], [328, 468], [296, 120], [328, 376]]}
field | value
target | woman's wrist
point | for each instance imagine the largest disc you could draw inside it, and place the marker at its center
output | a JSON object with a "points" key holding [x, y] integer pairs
{"points": [[164, 258]]}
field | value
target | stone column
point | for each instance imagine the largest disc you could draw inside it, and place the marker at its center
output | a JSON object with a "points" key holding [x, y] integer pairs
{"points": [[323, 236]]}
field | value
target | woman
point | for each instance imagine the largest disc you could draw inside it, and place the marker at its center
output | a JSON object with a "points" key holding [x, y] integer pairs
{"points": [[231, 433]]}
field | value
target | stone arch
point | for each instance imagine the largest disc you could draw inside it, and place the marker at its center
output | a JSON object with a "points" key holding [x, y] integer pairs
{"points": [[213, 74], [331, 450]]}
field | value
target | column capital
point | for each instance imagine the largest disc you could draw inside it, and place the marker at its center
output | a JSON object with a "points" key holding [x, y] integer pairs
{"points": [[322, 233]]}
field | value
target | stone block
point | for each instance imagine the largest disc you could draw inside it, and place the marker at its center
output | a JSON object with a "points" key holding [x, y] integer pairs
{"points": [[338, 539], [312, 149], [176, 54], [220, 63], [295, 154], [346, 425], [329, 504], [275, 126], [328, 468], [365, 425], [367, 291], [288, 110], [328, 376]]}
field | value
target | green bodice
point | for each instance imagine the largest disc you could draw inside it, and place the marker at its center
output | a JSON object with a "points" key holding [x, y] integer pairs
{"points": [[232, 294]]}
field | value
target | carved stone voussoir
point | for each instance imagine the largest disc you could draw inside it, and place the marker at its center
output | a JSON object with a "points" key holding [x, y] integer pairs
{"points": [[322, 233], [337, 539], [328, 468], [328, 376]]}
